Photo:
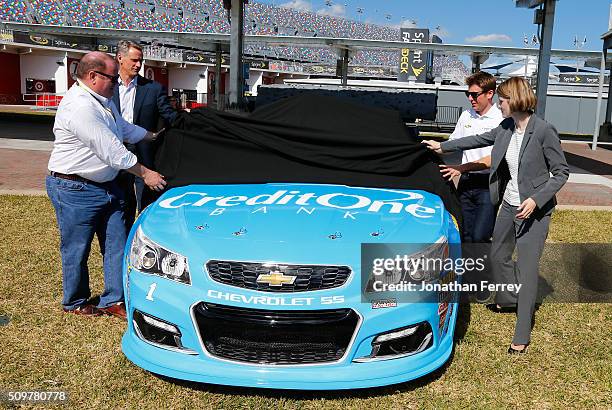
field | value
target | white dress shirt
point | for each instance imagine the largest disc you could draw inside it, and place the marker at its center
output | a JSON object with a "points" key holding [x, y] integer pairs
{"points": [[471, 123], [127, 96], [89, 134], [511, 194]]}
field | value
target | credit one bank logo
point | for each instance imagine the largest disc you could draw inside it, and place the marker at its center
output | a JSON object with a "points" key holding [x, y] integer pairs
{"points": [[385, 201]]}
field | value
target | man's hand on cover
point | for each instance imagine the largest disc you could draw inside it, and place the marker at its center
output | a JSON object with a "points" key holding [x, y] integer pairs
{"points": [[154, 180], [152, 136], [433, 145]]}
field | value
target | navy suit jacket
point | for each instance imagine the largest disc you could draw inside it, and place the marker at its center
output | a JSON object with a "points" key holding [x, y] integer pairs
{"points": [[150, 105]]}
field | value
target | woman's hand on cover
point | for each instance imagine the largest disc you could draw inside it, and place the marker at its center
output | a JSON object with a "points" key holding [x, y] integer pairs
{"points": [[526, 209], [450, 171], [433, 145]]}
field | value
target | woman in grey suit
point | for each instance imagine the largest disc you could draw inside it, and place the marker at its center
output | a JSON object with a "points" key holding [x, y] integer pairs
{"points": [[526, 151]]}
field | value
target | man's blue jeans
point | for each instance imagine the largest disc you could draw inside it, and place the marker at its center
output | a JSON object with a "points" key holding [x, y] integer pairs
{"points": [[478, 223], [478, 211], [82, 210]]}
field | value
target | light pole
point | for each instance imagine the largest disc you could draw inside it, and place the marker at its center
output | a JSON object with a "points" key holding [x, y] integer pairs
{"points": [[579, 45], [533, 43], [360, 11]]}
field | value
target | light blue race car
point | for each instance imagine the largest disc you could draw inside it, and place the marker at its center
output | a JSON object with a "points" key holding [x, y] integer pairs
{"points": [[262, 285]]}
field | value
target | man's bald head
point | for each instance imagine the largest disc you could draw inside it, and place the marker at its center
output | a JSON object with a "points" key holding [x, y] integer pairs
{"points": [[98, 71], [94, 61]]}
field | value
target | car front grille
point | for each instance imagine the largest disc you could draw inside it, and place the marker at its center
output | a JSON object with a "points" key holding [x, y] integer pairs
{"points": [[302, 277], [275, 337]]}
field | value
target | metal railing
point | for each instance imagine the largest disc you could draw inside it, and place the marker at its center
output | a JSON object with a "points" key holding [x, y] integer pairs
{"points": [[42, 101], [446, 119], [448, 115]]}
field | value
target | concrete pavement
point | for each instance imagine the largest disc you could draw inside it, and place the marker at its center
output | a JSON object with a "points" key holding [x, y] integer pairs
{"points": [[23, 166]]}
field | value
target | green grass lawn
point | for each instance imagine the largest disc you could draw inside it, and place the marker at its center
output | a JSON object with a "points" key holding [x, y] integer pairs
{"points": [[569, 363]]}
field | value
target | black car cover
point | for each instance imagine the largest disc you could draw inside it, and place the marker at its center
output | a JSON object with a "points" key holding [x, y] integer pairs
{"points": [[307, 138]]}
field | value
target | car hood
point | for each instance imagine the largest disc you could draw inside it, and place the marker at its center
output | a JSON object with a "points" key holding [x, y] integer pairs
{"points": [[293, 213]]}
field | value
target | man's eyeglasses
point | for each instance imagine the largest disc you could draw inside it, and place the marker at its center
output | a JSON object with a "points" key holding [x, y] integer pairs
{"points": [[113, 78], [474, 94]]}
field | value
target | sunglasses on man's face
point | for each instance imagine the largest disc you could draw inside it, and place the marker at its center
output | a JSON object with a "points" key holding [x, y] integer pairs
{"points": [[474, 94], [113, 78]]}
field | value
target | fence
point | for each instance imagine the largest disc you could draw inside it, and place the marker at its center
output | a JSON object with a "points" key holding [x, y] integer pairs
{"points": [[446, 119], [43, 101]]}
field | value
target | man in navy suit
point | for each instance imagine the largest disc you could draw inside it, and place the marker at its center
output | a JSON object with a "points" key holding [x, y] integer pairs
{"points": [[145, 103]]}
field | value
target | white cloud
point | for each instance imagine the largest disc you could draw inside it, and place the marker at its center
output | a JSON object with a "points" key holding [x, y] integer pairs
{"points": [[302, 5], [489, 38], [336, 10]]}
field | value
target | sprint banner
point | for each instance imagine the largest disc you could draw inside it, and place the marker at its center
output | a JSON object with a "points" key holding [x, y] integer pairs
{"points": [[413, 62]]}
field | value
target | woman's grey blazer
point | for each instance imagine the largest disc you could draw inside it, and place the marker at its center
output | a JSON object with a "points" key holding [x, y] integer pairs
{"points": [[540, 154]]}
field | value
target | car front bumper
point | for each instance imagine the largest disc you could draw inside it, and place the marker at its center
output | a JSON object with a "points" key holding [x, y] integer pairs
{"points": [[174, 303]]}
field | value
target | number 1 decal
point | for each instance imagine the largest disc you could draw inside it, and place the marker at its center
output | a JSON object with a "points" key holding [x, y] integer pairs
{"points": [[151, 290]]}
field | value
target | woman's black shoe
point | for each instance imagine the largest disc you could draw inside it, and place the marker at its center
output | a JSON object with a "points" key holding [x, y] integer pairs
{"points": [[512, 350], [494, 307]]}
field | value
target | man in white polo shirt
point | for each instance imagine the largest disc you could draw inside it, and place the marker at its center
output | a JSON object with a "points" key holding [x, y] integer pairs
{"points": [[88, 153], [478, 211]]}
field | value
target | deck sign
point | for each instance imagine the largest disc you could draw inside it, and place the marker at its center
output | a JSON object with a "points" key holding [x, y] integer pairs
{"points": [[413, 63]]}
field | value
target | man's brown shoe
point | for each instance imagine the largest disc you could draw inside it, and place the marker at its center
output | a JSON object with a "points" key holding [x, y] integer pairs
{"points": [[118, 310], [84, 310]]}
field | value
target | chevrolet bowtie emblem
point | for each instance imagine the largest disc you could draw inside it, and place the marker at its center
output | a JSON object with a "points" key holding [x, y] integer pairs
{"points": [[275, 278]]}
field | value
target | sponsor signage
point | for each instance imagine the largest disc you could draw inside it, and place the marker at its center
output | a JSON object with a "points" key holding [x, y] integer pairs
{"points": [[352, 70], [319, 69], [69, 43], [195, 57], [384, 303], [34, 85], [106, 47], [6, 36], [369, 71], [578, 78], [75, 43], [258, 64], [387, 201], [413, 63], [203, 58], [25, 38]]}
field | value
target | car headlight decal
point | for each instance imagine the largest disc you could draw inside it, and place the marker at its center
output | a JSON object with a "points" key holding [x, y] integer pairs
{"points": [[432, 258], [437, 251], [149, 257]]}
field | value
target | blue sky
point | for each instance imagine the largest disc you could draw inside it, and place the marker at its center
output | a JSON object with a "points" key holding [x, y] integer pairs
{"points": [[490, 22]]}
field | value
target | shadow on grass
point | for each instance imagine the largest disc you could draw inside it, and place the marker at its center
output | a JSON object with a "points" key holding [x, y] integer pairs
{"points": [[463, 320], [464, 316]]}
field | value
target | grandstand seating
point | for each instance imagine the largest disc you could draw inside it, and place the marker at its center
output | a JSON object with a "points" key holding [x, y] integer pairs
{"points": [[208, 16], [78, 13], [13, 10], [48, 11]]}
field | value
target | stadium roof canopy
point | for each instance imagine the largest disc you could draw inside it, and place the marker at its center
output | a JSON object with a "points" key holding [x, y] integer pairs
{"points": [[212, 42]]}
